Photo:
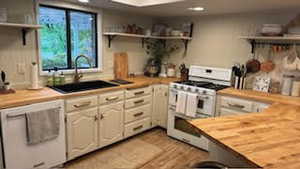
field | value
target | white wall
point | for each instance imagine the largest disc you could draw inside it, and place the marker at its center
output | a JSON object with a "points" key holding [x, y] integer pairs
{"points": [[215, 40], [12, 52]]}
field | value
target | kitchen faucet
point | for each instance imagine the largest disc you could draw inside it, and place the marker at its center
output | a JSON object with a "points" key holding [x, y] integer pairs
{"points": [[78, 76]]}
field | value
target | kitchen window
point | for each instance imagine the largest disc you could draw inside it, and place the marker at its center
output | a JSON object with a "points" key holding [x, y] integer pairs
{"points": [[66, 34]]}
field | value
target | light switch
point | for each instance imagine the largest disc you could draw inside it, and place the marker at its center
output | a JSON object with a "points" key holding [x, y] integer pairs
{"points": [[21, 68]]}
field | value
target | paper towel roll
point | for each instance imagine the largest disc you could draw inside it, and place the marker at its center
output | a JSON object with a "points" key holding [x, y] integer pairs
{"points": [[34, 76]]}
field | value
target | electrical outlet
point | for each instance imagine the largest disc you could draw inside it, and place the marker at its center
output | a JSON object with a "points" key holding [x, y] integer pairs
{"points": [[21, 68]]}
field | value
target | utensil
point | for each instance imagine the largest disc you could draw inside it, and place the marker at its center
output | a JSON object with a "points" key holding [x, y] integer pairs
{"points": [[253, 65], [3, 76], [268, 65]]}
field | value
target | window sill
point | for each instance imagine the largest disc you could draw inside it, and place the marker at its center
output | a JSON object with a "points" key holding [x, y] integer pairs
{"points": [[70, 72]]}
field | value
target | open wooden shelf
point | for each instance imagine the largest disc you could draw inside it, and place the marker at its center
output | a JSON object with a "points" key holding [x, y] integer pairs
{"points": [[144, 36], [112, 35], [24, 28], [271, 38]]}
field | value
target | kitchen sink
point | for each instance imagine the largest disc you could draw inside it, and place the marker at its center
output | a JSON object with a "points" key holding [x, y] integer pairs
{"points": [[83, 86]]}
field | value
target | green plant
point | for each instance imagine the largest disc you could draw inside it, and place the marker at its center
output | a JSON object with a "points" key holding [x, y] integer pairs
{"points": [[158, 49]]}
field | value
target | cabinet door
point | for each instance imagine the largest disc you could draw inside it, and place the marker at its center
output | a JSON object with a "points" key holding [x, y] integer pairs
{"points": [[82, 132], [164, 106], [111, 123], [160, 106]]}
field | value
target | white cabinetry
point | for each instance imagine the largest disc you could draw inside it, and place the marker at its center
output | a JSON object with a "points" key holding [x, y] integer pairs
{"points": [[111, 123], [138, 108], [82, 132], [234, 106], [160, 105]]}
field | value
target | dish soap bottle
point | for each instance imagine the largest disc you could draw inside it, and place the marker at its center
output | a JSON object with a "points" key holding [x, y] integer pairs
{"points": [[50, 78], [56, 78], [62, 78]]}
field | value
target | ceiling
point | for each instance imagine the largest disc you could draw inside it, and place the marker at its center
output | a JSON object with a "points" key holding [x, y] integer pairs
{"points": [[211, 7]]}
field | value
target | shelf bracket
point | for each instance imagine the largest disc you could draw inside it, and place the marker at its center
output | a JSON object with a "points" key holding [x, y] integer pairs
{"points": [[24, 33], [185, 43], [252, 42], [110, 38]]}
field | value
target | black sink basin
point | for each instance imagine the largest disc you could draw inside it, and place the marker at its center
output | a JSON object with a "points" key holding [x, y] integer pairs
{"points": [[83, 86]]}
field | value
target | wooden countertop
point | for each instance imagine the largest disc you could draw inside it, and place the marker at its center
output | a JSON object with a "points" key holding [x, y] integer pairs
{"points": [[24, 97], [260, 96], [270, 139]]}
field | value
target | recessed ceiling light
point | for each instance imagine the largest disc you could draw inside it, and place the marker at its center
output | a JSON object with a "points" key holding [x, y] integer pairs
{"points": [[84, 1], [196, 9]]}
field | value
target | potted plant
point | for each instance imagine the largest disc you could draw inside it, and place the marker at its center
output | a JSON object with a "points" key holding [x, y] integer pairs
{"points": [[158, 51]]}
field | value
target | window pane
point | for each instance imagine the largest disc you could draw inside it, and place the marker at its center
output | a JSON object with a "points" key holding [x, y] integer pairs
{"points": [[83, 38], [53, 38]]}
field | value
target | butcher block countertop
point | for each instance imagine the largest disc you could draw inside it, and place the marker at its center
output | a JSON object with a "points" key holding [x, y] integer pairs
{"points": [[270, 139], [25, 97]]}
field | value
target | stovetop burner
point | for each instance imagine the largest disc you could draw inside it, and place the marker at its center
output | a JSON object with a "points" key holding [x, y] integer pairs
{"points": [[195, 83], [215, 86], [204, 84]]}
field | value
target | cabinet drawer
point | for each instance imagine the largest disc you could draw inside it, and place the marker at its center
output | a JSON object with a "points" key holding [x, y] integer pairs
{"points": [[81, 103], [237, 104], [138, 102], [131, 93], [111, 97], [137, 127], [137, 113], [229, 112]]}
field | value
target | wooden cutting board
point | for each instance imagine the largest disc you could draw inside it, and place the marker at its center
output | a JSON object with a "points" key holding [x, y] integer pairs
{"points": [[121, 65]]}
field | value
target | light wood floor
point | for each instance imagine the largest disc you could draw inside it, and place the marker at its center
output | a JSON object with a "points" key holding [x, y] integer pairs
{"points": [[174, 154]]}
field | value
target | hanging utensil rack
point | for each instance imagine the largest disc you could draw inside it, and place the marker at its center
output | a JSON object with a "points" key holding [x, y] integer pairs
{"points": [[273, 40]]}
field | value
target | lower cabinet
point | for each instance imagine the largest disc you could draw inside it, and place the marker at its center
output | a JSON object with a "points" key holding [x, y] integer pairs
{"points": [[234, 106], [82, 132], [111, 123], [160, 105]]}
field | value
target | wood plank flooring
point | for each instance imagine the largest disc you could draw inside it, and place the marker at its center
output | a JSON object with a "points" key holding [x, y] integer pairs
{"points": [[174, 154]]}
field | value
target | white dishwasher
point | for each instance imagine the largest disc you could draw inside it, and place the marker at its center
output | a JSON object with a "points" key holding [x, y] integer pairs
{"points": [[17, 153]]}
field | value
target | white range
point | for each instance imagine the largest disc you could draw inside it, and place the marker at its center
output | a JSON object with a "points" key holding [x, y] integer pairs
{"points": [[195, 98]]}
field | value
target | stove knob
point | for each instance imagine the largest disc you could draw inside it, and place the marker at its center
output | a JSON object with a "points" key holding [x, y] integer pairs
{"points": [[181, 87], [204, 92], [175, 86], [188, 89], [196, 90]]}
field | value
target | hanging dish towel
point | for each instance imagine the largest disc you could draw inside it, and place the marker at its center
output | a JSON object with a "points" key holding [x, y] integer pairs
{"points": [[181, 102], [42, 126], [192, 103]]}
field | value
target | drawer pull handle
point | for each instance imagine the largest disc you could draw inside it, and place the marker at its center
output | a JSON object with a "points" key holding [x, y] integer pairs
{"points": [[101, 116], [138, 128], [84, 104], [139, 93], [96, 118], [112, 98], [236, 106], [185, 140], [138, 114], [139, 101]]}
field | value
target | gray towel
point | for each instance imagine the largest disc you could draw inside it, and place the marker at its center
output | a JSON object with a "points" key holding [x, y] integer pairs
{"points": [[42, 126]]}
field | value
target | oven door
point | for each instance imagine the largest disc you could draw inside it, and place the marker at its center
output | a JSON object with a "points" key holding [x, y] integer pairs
{"points": [[180, 129], [206, 105]]}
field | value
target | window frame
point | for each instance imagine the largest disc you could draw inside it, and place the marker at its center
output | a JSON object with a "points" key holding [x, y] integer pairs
{"points": [[98, 38]]}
